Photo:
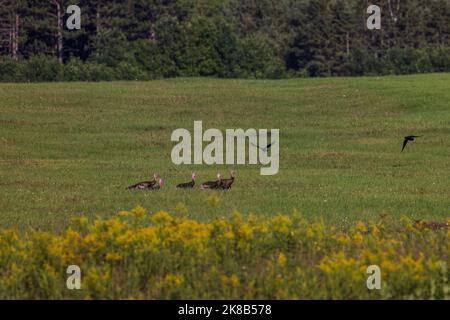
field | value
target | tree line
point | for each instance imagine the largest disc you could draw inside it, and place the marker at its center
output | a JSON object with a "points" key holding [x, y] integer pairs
{"points": [[147, 39]]}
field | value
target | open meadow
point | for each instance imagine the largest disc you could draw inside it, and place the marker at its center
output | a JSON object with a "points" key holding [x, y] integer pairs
{"points": [[70, 149], [345, 197]]}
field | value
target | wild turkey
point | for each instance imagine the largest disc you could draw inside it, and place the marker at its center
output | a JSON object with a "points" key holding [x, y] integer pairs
{"points": [[433, 225], [212, 184], [227, 183], [188, 185], [145, 184], [158, 185]]}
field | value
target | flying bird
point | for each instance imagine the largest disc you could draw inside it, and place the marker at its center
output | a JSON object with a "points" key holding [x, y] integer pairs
{"points": [[407, 139], [188, 185], [145, 184], [266, 148]]}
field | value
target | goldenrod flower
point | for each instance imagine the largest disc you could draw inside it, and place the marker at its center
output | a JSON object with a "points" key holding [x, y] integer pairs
{"points": [[124, 213], [358, 237], [176, 279], [360, 226], [138, 212], [81, 221], [237, 257], [234, 280], [281, 259], [229, 235], [113, 256], [245, 231], [162, 216]]}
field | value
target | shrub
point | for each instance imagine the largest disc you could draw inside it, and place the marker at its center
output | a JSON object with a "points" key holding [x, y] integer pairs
{"points": [[98, 72], [75, 70], [42, 68], [128, 71], [159, 256], [10, 70], [110, 48], [258, 59], [200, 56], [149, 58], [171, 43], [402, 61], [440, 59]]}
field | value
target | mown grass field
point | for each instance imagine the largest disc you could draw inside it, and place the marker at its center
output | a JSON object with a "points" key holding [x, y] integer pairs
{"points": [[71, 148]]}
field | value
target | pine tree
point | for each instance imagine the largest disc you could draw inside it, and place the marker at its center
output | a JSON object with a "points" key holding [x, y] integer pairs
{"points": [[10, 27]]}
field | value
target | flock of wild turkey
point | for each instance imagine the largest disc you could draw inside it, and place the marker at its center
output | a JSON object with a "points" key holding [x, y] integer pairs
{"points": [[158, 182]]}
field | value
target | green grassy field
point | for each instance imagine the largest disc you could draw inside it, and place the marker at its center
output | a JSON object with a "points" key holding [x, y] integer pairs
{"points": [[72, 148]]}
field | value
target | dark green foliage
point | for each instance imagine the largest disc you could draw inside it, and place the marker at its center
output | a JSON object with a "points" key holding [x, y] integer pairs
{"points": [[42, 68], [128, 71], [148, 39], [10, 70], [110, 47], [75, 70], [257, 59], [149, 58]]}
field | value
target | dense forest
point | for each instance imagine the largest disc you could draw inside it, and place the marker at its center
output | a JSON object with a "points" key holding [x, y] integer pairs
{"points": [[147, 39]]}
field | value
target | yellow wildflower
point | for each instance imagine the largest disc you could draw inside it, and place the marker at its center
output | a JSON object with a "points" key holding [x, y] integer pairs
{"points": [[234, 280], [93, 243], [124, 213], [358, 237], [342, 238], [281, 259], [245, 231], [281, 223], [138, 212], [113, 256], [376, 232], [229, 235], [389, 266], [114, 225], [360, 226], [72, 234], [325, 267], [162, 216], [80, 221], [176, 279], [224, 279], [126, 238]]}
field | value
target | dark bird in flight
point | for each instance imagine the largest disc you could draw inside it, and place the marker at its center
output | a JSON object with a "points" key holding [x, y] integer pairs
{"points": [[266, 148], [212, 184], [227, 183], [407, 139], [146, 184], [188, 185]]}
